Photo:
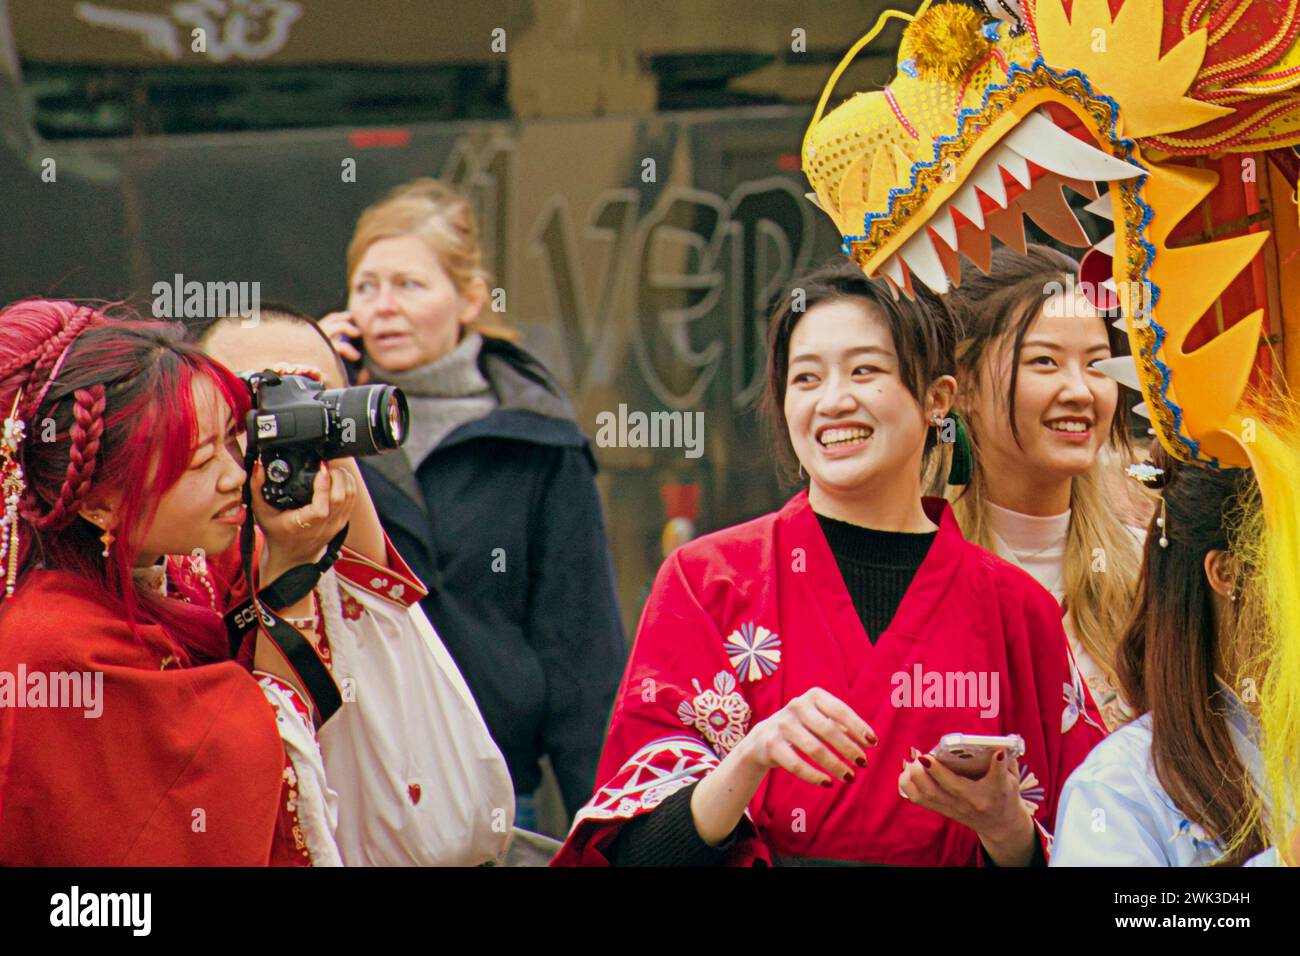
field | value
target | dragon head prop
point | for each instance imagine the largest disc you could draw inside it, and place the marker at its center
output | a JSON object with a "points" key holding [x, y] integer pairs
{"points": [[1176, 118]]}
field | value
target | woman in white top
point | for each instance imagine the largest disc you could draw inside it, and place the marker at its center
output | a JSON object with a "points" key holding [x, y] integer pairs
{"points": [[1045, 424], [1181, 784]]}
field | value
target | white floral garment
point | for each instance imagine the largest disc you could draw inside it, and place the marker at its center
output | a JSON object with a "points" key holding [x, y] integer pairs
{"points": [[1114, 812]]}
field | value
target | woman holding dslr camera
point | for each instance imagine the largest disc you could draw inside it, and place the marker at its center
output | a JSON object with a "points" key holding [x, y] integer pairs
{"points": [[122, 465]]}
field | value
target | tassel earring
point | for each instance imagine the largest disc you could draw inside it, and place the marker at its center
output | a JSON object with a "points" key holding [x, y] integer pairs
{"points": [[108, 539], [963, 455]]}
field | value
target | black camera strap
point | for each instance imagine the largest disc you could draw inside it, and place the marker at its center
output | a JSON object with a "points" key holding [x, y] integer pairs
{"points": [[286, 590]]}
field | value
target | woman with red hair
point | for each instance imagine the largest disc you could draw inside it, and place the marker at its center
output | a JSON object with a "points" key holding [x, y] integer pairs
{"points": [[128, 735]]}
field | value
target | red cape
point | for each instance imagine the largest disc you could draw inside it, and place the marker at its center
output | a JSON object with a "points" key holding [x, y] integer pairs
{"points": [[182, 767]]}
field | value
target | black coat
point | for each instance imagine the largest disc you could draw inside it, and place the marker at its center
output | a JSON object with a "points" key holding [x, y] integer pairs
{"points": [[503, 523]]}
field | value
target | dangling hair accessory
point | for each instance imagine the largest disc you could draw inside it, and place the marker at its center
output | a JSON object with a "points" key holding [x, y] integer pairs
{"points": [[1154, 478], [12, 486]]}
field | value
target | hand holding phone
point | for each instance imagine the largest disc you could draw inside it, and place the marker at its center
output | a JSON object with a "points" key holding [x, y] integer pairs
{"points": [[344, 334], [969, 755]]}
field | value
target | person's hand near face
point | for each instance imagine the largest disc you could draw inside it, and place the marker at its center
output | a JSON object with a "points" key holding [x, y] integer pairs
{"points": [[343, 332], [283, 344], [300, 535]]}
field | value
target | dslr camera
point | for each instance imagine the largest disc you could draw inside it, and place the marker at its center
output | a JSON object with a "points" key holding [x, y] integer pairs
{"points": [[296, 423]]}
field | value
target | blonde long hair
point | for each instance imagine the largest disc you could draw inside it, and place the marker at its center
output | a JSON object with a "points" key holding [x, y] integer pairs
{"points": [[1102, 557], [444, 220]]}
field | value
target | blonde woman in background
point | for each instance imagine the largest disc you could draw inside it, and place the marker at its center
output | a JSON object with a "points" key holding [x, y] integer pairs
{"points": [[1046, 425], [493, 502]]}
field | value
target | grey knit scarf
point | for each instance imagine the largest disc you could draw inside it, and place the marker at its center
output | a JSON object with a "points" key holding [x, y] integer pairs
{"points": [[443, 395]]}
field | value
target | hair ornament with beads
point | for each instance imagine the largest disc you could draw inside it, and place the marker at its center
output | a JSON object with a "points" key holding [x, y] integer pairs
{"points": [[12, 486]]}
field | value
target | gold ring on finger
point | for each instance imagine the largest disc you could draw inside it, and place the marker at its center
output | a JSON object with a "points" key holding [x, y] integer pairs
{"points": [[301, 524]]}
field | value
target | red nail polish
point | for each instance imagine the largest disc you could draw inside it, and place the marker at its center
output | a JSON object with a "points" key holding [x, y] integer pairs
{"points": [[861, 761], [1001, 755], [826, 783], [925, 761], [848, 776]]}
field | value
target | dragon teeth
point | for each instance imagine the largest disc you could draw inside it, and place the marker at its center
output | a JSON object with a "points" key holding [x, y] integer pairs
{"points": [[1015, 164], [1101, 206], [1036, 139], [921, 258], [944, 227], [893, 270], [987, 178], [1045, 144], [967, 202], [1122, 369]]}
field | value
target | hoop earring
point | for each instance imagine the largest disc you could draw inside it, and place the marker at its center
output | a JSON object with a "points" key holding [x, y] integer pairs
{"points": [[802, 476]]}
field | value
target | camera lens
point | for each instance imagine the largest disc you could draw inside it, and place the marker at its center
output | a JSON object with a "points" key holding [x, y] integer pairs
{"points": [[368, 419], [397, 420]]}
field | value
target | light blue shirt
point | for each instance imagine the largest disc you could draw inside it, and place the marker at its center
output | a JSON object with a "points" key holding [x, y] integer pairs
{"points": [[1114, 812]]}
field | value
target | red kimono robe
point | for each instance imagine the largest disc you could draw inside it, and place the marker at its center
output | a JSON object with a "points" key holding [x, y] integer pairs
{"points": [[741, 621]]}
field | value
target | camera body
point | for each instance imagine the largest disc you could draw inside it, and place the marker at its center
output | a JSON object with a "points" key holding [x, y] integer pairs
{"points": [[296, 423]]}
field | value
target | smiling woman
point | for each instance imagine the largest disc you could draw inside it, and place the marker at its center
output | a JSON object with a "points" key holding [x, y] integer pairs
{"points": [[756, 722], [847, 382], [1045, 423]]}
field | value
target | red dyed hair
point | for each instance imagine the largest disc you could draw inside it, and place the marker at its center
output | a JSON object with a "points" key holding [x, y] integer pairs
{"points": [[121, 403]]}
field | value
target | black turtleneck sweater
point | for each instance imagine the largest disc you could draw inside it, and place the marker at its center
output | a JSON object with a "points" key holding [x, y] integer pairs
{"points": [[877, 567]]}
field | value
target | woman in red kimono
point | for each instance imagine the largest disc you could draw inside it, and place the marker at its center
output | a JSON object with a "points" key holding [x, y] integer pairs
{"points": [[128, 736], [791, 674]]}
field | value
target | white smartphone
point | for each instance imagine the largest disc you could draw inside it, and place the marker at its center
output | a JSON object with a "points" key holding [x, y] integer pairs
{"points": [[970, 754]]}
